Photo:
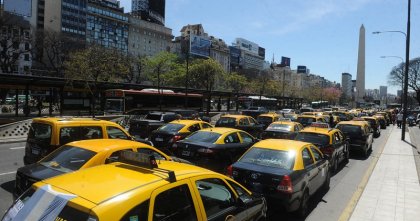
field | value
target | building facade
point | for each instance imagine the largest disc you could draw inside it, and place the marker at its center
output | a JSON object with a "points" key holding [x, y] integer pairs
{"points": [[346, 84], [251, 56], [147, 38], [149, 10]]}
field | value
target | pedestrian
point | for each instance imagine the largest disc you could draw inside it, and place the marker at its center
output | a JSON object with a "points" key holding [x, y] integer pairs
{"points": [[331, 120], [399, 119]]}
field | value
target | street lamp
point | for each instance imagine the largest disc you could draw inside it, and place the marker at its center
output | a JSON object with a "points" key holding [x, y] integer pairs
{"points": [[407, 59]]}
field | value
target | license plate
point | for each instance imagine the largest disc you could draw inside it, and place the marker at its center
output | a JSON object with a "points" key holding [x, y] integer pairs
{"points": [[158, 139], [185, 153], [35, 151]]}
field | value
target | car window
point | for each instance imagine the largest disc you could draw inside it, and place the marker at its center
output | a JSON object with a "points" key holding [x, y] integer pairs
{"points": [[243, 122], [194, 127], [171, 127], [232, 138], [215, 195], [67, 158], [307, 158], [226, 122], [174, 204], [149, 152], [40, 132], [316, 153], [205, 125], [336, 138], [246, 138], [116, 133], [252, 120], [69, 134], [140, 212], [87, 133]]}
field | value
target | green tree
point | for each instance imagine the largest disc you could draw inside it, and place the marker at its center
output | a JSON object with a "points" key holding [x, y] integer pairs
{"points": [[96, 64], [164, 69], [203, 74], [396, 76], [236, 83]]}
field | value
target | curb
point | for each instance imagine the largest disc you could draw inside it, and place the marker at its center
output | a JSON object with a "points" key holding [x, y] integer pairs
{"points": [[12, 140]]}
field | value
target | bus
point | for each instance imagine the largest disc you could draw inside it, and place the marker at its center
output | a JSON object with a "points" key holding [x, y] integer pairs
{"points": [[120, 101], [246, 102]]}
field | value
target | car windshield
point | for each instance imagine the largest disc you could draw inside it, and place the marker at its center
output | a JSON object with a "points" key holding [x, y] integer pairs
{"points": [[171, 127], [352, 130], [67, 158], [203, 136], [315, 138], [40, 132], [269, 157], [305, 120], [283, 127], [290, 116], [226, 122], [264, 119]]}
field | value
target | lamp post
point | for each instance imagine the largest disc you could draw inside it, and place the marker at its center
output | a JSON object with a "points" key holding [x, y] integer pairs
{"points": [[407, 59]]}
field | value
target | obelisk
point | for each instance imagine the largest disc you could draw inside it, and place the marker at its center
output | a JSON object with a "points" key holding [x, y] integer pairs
{"points": [[360, 78]]}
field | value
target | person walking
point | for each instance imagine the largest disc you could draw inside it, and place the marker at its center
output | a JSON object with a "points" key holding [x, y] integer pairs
{"points": [[399, 119]]}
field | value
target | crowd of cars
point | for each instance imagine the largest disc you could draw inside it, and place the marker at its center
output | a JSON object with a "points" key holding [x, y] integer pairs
{"points": [[96, 170]]}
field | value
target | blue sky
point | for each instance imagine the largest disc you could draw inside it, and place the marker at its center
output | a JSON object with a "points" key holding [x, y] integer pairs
{"points": [[321, 34]]}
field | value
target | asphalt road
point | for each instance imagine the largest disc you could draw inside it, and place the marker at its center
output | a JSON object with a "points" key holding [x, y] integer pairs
{"points": [[324, 206]]}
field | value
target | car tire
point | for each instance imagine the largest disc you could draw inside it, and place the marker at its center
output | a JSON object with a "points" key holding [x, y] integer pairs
{"points": [[303, 208]]}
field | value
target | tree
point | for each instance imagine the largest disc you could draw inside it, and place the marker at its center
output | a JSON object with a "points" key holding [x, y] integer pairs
{"points": [[203, 74], [96, 64], [397, 73], [236, 82], [164, 70], [332, 95]]}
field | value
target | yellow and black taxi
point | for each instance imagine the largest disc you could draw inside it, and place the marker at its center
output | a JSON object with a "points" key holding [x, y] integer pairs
{"points": [[330, 141], [374, 124], [328, 116], [282, 130], [386, 116], [241, 122], [359, 134], [381, 119], [286, 172], [79, 155], [307, 120], [138, 187], [343, 115], [173, 131], [268, 118], [47, 134], [213, 148]]}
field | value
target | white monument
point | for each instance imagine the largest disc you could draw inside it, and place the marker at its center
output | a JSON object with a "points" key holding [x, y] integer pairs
{"points": [[360, 78]]}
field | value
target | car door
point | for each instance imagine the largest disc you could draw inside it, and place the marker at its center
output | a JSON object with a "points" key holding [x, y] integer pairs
{"points": [[311, 170], [175, 202], [339, 145], [218, 200], [321, 165], [232, 147]]}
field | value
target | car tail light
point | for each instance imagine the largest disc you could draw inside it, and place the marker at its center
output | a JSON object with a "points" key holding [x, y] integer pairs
{"points": [[229, 171], [328, 150], [285, 185], [175, 139]]}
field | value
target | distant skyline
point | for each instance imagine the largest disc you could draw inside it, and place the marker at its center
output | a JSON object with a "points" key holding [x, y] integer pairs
{"points": [[320, 34]]}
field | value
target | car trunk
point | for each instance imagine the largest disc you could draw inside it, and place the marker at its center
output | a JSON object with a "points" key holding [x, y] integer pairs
{"points": [[161, 138]]}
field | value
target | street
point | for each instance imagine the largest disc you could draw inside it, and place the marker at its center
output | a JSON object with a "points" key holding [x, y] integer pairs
{"points": [[324, 206]]}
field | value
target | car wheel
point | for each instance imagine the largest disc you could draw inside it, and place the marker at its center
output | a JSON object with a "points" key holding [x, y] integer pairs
{"points": [[303, 209], [326, 185]]}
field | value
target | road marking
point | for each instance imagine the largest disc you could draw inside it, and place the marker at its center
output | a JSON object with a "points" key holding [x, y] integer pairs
{"points": [[17, 148], [1, 174], [346, 214]]}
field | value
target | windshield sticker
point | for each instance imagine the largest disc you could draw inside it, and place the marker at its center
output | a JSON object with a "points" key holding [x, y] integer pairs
{"points": [[45, 204]]}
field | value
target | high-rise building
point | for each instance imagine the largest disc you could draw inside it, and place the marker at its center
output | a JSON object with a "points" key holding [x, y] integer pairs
{"points": [[383, 91], [360, 79], [346, 84], [252, 56], [149, 10]]}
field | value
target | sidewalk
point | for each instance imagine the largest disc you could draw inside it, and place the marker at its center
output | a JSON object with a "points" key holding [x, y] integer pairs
{"points": [[393, 191]]}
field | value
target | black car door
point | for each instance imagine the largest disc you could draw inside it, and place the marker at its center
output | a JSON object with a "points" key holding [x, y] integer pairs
{"points": [[232, 147], [219, 200], [338, 146]]}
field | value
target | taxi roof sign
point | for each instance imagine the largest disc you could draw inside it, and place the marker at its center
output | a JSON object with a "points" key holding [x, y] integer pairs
{"points": [[320, 125], [138, 159]]}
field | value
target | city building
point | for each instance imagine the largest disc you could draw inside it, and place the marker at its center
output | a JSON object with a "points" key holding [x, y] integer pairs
{"points": [[15, 44], [149, 10], [383, 91], [147, 38], [346, 84], [219, 51], [251, 55]]}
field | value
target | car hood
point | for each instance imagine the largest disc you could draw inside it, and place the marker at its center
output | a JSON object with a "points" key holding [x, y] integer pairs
{"points": [[39, 172]]}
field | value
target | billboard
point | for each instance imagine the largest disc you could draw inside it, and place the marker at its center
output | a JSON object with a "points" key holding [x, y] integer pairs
{"points": [[235, 55], [285, 61], [200, 46], [261, 52], [19, 7], [301, 69], [247, 45]]}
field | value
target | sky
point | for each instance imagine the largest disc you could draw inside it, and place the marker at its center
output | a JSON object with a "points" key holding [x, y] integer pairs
{"points": [[320, 34]]}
